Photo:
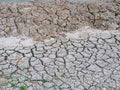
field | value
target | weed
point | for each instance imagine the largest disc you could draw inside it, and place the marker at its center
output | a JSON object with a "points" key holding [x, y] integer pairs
{"points": [[85, 89], [23, 87], [18, 80], [63, 75], [28, 79], [60, 88], [12, 85], [119, 88], [11, 76], [107, 88], [44, 80]]}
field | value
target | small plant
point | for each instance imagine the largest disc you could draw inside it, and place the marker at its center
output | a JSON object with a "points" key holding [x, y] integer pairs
{"points": [[60, 88], [23, 87], [63, 75], [18, 80], [28, 79], [85, 89], [12, 85], [44, 80], [14, 81], [119, 88], [11, 76], [107, 88]]}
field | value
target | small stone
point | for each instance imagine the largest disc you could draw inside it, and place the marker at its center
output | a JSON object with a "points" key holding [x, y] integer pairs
{"points": [[63, 14], [112, 26], [103, 17], [46, 22], [118, 37], [49, 41], [97, 16]]}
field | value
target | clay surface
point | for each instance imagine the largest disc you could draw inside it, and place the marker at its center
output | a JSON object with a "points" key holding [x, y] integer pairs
{"points": [[44, 20]]}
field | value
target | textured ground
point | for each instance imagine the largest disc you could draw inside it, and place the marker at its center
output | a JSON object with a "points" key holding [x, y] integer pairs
{"points": [[80, 60], [83, 60], [45, 20]]}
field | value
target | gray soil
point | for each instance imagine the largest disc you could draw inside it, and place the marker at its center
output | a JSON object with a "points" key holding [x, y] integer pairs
{"points": [[44, 20]]}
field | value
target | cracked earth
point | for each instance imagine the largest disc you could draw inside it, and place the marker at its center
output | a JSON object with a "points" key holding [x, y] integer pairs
{"points": [[48, 46], [45, 20], [83, 60]]}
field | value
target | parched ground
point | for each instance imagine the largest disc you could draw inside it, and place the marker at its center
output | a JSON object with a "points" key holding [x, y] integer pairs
{"points": [[42, 20], [53, 46], [84, 60]]}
